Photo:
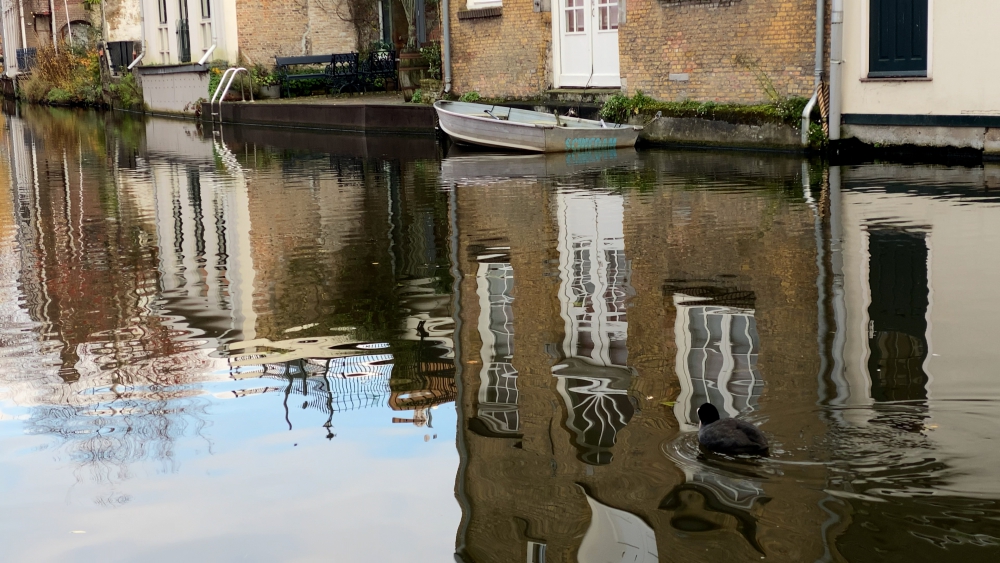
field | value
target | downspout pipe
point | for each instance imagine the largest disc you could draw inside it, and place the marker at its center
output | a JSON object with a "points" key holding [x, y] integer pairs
{"points": [[52, 24], [446, 44], [836, 66], [24, 33], [142, 36], [69, 25], [817, 71]]}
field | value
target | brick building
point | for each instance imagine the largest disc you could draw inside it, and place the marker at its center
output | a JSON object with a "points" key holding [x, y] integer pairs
{"points": [[270, 28], [708, 50], [41, 20]]}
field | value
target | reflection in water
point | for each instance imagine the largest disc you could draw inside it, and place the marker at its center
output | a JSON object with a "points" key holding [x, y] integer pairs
{"points": [[717, 349], [236, 330], [497, 411], [616, 535], [594, 380]]}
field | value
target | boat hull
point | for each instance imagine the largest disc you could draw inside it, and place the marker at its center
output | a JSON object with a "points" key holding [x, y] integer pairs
{"points": [[538, 136]]}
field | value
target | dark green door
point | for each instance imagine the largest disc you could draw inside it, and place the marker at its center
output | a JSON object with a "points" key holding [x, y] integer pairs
{"points": [[898, 38]]}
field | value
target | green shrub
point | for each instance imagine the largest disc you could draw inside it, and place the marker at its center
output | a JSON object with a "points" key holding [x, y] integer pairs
{"points": [[432, 54], [71, 76], [418, 96], [620, 108], [126, 90], [471, 97], [58, 96]]}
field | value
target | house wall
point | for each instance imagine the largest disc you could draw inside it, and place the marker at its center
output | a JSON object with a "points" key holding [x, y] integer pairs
{"points": [[692, 49], [124, 19], [957, 83], [270, 28], [509, 55], [38, 24], [958, 48], [162, 45], [669, 49]]}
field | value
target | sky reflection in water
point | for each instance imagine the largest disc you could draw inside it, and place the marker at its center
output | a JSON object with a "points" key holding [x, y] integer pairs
{"points": [[288, 345]]}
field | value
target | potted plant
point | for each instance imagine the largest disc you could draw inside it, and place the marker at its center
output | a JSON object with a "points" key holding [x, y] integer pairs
{"points": [[267, 81]]}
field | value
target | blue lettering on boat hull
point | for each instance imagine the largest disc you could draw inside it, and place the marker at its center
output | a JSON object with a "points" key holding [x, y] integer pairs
{"points": [[590, 143]]}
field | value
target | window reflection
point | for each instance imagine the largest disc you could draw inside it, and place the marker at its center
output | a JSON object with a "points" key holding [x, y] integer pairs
{"points": [[594, 378], [717, 347], [498, 394]]}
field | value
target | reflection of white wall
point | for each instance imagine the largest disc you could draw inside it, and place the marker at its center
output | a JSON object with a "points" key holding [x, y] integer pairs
{"points": [[616, 536], [963, 268], [717, 351], [203, 227], [595, 276]]}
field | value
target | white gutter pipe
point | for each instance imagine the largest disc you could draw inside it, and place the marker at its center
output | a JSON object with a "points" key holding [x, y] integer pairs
{"points": [[69, 26], [836, 66], [24, 33], [207, 54], [142, 36], [446, 44], [135, 63], [806, 113], [817, 71], [52, 24]]}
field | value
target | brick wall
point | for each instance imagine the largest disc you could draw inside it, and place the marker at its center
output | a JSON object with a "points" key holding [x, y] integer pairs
{"points": [[501, 56], [510, 55], [269, 28], [701, 38], [38, 24]]}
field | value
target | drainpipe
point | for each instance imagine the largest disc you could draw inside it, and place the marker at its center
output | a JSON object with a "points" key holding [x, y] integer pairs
{"points": [[817, 71], [52, 24], [142, 36], [446, 44], [69, 26], [24, 33], [836, 66]]}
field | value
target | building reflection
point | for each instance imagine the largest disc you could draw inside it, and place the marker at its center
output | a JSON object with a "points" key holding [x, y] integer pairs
{"points": [[145, 255], [593, 378], [893, 298], [717, 349], [583, 321]]}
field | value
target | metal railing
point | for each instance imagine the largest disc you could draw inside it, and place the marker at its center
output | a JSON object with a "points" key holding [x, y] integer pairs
{"points": [[224, 84]]}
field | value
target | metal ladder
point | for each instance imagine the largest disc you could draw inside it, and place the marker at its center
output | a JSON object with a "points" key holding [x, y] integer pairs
{"points": [[224, 84]]}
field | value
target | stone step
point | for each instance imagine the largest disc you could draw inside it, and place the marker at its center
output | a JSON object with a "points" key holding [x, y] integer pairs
{"points": [[581, 95]]}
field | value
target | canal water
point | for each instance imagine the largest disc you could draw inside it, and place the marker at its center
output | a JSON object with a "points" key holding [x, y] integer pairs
{"points": [[277, 345]]}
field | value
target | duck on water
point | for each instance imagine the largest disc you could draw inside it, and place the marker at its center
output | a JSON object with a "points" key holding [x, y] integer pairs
{"points": [[729, 436]]}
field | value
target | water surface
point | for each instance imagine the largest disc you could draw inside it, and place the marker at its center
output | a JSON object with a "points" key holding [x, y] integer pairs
{"points": [[263, 344]]}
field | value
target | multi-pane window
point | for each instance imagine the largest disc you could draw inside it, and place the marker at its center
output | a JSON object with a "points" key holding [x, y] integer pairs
{"points": [[898, 38], [574, 16], [607, 11]]}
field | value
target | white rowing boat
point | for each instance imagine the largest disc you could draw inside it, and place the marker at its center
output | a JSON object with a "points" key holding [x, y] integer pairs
{"points": [[526, 130]]}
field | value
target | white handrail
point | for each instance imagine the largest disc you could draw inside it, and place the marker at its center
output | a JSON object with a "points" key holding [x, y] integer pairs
{"points": [[222, 80], [231, 75]]}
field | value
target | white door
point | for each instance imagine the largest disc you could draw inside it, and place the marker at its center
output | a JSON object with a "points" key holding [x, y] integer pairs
{"points": [[587, 31]]}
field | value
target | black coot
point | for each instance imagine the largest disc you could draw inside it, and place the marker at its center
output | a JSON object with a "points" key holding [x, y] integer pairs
{"points": [[729, 436]]}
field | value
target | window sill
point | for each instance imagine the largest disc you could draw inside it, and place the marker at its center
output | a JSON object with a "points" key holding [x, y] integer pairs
{"points": [[479, 13], [896, 79]]}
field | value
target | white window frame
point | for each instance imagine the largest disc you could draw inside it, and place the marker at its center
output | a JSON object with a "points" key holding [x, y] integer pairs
{"points": [[480, 4]]}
